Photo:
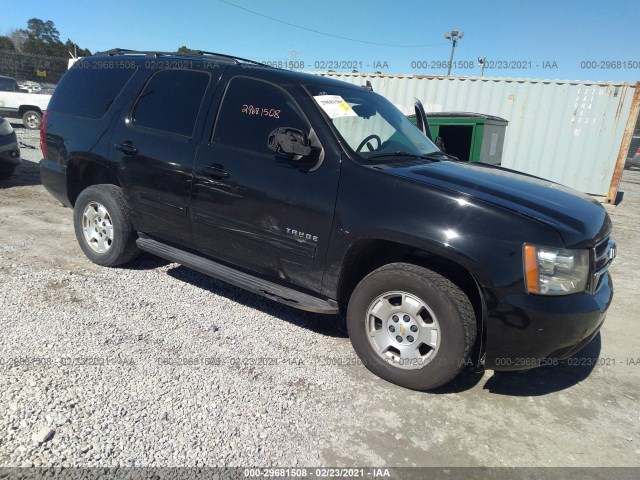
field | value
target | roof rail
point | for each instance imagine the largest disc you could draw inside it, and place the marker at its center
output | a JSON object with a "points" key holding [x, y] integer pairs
{"points": [[232, 57], [194, 53]]}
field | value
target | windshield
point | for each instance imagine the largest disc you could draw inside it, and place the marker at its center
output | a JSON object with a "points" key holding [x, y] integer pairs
{"points": [[370, 124]]}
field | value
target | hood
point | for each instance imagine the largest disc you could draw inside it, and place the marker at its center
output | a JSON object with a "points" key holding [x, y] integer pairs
{"points": [[580, 219]]}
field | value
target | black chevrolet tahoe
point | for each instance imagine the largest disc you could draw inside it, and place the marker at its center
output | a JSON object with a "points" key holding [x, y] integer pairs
{"points": [[322, 195]]}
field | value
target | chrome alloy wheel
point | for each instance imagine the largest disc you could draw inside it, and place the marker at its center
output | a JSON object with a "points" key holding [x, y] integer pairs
{"points": [[403, 330], [32, 121], [97, 227]]}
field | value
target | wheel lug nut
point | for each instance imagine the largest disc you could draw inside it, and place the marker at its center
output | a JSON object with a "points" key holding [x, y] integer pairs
{"points": [[406, 318], [414, 328], [399, 338], [395, 318], [410, 338], [392, 328]]}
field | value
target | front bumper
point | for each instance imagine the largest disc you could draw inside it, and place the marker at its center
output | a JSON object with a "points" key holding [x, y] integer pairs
{"points": [[9, 160], [9, 153], [523, 330]]}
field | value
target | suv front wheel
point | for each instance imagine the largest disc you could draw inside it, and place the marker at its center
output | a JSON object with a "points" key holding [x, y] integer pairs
{"points": [[411, 326], [102, 221]]}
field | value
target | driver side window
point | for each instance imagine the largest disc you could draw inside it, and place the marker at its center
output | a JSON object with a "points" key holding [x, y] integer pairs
{"points": [[250, 110]]}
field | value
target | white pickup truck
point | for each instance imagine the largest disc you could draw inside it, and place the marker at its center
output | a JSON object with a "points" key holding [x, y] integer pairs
{"points": [[16, 104]]}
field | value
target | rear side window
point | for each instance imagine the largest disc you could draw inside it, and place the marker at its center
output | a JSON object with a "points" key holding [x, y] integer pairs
{"points": [[8, 85], [170, 101], [88, 92], [250, 110]]}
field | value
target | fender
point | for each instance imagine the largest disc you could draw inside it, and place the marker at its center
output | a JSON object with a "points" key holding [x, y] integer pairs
{"points": [[462, 229]]}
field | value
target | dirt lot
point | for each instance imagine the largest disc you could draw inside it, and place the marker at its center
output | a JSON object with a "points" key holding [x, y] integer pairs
{"points": [[321, 409]]}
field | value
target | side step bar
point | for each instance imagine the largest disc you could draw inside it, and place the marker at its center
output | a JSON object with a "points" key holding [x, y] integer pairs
{"points": [[240, 279]]}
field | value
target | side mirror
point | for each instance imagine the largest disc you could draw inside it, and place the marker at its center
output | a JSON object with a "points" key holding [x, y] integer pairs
{"points": [[421, 119], [440, 144], [289, 141]]}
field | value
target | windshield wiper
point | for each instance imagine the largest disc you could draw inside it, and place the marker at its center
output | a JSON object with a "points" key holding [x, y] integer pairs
{"points": [[435, 155], [428, 156], [395, 154], [439, 155]]}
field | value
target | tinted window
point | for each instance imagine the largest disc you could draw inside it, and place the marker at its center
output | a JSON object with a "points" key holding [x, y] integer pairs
{"points": [[250, 110], [8, 85], [171, 100], [88, 92]]}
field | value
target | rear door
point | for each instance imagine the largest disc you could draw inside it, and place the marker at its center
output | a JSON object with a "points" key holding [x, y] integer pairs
{"points": [[153, 149], [252, 207]]}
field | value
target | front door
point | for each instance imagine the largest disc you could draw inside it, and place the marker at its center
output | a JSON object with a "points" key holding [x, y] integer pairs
{"points": [[254, 208]]}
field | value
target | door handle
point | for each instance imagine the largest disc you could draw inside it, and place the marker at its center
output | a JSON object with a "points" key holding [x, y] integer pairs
{"points": [[216, 170], [127, 148]]}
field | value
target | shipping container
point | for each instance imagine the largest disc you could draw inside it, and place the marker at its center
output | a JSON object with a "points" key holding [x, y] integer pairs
{"points": [[576, 133]]}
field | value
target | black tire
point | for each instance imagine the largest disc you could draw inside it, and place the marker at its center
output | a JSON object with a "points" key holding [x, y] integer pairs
{"points": [[32, 119], [452, 308], [122, 247]]}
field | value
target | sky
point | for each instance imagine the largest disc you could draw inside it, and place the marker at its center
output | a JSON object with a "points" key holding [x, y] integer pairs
{"points": [[559, 39]]}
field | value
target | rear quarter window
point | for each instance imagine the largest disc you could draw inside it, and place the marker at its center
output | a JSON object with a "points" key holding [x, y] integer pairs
{"points": [[87, 91]]}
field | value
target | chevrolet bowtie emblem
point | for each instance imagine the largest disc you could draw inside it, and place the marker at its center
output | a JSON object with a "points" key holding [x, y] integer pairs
{"points": [[401, 329]]}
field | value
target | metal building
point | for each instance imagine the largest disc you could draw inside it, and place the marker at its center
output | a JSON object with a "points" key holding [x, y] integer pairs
{"points": [[576, 133]]}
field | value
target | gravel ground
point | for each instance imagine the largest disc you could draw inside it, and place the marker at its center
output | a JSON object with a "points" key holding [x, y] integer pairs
{"points": [[157, 365]]}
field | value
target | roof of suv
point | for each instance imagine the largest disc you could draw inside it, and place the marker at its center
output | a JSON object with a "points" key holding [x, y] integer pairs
{"points": [[277, 75], [200, 54]]}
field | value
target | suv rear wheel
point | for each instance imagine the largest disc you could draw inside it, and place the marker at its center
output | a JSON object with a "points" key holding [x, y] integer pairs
{"points": [[411, 326], [102, 221]]}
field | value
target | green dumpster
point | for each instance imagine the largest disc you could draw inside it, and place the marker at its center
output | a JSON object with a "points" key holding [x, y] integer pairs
{"points": [[472, 137]]}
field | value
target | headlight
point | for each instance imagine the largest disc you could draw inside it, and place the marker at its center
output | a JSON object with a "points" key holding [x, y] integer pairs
{"points": [[555, 271], [5, 128]]}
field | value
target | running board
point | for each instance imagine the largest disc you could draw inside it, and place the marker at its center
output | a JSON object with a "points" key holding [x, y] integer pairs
{"points": [[240, 279]]}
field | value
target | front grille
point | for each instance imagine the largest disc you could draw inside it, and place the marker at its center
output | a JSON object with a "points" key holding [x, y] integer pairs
{"points": [[601, 257]]}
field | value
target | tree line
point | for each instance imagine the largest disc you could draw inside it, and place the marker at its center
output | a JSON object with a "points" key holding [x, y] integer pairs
{"points": [[41, 38]]}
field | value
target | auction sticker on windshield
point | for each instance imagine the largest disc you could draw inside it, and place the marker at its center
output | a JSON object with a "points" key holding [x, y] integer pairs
{"points": [[335, 106]]}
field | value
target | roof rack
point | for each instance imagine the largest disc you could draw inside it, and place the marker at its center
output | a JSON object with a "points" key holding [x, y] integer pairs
{"points": [[195, 53]]}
